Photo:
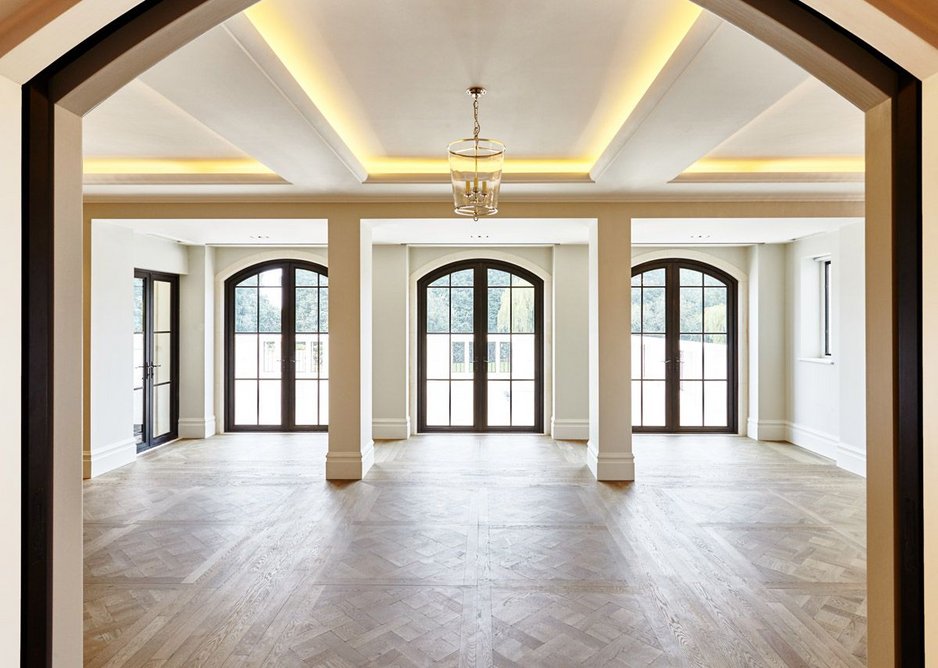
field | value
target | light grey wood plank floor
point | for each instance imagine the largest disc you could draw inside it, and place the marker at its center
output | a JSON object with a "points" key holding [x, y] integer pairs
{"points": [[475, 551]]}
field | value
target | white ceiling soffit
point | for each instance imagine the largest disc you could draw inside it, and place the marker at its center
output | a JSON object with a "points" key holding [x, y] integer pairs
{"points": [[232, 232], [487, 232], [730, 231]]}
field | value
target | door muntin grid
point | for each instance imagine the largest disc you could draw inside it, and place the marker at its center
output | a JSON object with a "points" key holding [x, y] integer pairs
{"points": [[481, 348], [277, 372], [683, 348]]}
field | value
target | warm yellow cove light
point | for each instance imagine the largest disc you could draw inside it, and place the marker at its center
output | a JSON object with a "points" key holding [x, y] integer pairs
{"points": [[283, 40], [849, 165], [173, 166], [407, 166]]}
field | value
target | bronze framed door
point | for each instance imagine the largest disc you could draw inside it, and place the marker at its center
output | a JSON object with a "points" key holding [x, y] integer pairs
{"points": [[480, 349], [684, 348], [277, 348], [156, 358]]}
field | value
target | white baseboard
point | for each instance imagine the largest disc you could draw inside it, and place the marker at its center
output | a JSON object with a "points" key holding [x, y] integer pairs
{"points": [[847, 456], [816, 441], [767, 430], [197, 427], [610, 467], [106, 458], [851, 458], [569, 430], [350, 465], [390, 429]]}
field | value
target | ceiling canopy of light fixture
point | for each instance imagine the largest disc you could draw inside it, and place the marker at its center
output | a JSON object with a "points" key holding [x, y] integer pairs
{"points": [[475, 167]]}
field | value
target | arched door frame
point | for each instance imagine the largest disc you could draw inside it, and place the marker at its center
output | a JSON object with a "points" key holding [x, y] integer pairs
{"points": [[732, 334], [742, 312], [891, 96], [289, 292], [539, 337]]}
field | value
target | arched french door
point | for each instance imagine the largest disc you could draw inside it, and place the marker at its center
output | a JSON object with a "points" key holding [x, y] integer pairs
{"points": [[481, 348], [276, 348], [684, 348]]}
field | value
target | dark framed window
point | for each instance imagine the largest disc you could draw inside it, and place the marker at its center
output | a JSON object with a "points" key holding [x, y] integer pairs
{"points": [[827, 304], [684, 348], [277, 348], [481, 348]]}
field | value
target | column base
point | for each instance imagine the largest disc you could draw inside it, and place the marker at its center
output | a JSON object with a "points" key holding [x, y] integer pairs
{"points": [[610, 467], [350, 465]]}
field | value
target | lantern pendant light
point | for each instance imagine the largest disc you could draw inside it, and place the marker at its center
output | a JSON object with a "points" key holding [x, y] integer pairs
{"points": [[475, 167]]}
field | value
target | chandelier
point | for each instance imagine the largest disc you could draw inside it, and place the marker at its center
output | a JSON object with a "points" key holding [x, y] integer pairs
{"points": [[475, 166]]}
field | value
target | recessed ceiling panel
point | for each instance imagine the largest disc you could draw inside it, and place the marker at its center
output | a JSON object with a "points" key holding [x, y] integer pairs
{"points": [[811, 121], [138, 122], [392, 75]]}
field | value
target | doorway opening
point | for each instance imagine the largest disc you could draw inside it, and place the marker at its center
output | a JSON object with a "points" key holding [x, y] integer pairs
{"points": [[156, 358], [480, 348], [277, 347], [684, 348]]}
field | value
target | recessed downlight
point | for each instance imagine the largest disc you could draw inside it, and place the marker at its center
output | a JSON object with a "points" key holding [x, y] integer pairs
{"points": [[479, 237], [260, 237], [700, 236]]}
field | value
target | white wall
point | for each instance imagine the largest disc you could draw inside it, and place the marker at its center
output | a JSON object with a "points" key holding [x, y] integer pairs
{"points": [[10, 362], [196, 345], [157, 254], [112, 351], [768, 356], [718, 256], [570, 415], [826, 396], [391, 408], [115, 253]]}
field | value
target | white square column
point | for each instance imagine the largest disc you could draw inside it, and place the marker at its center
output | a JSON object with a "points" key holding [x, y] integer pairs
{"points": [[351, 450], [609, 453]]}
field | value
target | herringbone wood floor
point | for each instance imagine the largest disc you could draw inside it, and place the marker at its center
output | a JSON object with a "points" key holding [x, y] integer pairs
{"points": [[475, 550]]}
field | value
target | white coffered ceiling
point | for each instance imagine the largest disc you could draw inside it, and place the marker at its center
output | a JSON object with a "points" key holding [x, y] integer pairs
{"points": [[608, 99]]}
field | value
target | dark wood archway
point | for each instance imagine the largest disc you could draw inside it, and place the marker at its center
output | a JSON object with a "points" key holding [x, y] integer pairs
{"points": [[798, 31]]}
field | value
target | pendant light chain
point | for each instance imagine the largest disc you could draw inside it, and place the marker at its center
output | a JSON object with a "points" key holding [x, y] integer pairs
{"points": [[476, 129], [476, 168]]}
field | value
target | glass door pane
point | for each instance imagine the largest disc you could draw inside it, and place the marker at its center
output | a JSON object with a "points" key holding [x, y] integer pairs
{"points": [[258, 306], [511, 351], [649, 349], [449, 350], [162, 365], [311, 348], [139, 369]]}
